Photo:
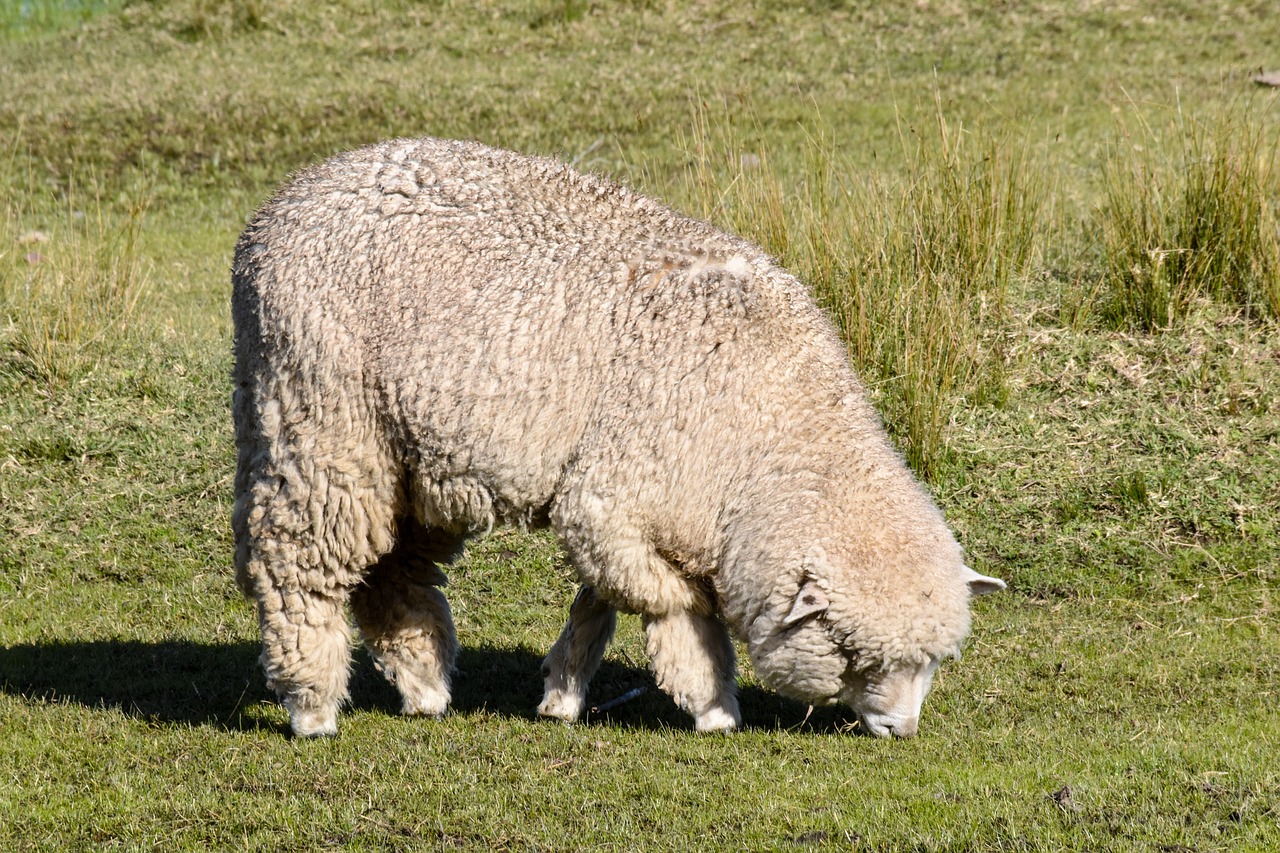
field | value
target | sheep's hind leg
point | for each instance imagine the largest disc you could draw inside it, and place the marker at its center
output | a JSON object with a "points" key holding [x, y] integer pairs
{"points": [[576, 655], [405, 619], [306, 641], [693, 661], [306, 653]]}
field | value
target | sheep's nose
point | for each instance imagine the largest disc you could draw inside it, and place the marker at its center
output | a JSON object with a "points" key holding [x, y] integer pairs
{"points": [[888, 726], [906, 728]]}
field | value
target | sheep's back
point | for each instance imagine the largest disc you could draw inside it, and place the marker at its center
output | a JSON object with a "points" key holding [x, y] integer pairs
{"points": [[478, 292]]}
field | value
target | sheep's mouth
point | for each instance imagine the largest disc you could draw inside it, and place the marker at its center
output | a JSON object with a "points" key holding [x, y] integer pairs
{"points": [[874, 729]]}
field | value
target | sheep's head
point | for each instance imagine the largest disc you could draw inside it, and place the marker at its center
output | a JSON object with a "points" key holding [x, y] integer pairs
{"points": [[878, 656], [887, 701]]}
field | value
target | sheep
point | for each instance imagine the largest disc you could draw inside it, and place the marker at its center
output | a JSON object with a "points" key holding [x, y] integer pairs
{"points": [[435, 337]]}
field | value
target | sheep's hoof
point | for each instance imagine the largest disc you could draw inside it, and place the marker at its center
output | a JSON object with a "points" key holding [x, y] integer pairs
{"points": [[426, 702], [716, 720], [562, 706], [312, 723]]}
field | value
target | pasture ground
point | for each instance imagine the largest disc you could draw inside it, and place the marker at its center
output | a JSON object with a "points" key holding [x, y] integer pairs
{"points": [[1121, 695]]}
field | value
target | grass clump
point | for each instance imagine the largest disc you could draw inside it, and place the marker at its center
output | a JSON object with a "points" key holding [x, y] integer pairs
{"points": [[31, 17], [197, 20], [916, 266], [69, 279], [1187, 216], [938, 249]]}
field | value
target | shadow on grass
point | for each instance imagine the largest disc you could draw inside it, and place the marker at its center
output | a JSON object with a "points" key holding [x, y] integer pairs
{"points": [[221, 685], [168, 682]]}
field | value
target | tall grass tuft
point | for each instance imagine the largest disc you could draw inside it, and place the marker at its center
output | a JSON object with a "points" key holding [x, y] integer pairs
{"points": [[1188, 215], [68, 288], [915, 265], [195, 20]]}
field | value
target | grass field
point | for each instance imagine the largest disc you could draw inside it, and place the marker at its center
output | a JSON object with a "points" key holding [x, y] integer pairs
{"points": [[1048, 231]]}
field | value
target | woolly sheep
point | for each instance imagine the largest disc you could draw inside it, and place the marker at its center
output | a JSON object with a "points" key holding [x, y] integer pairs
{"points": [[433, 337]]}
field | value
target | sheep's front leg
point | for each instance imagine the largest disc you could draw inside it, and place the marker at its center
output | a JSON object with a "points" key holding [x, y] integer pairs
{"points": [[691, 653], [693, 661], [574, 659]]}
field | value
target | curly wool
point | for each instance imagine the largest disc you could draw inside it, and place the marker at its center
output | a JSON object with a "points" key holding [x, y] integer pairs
{"points": [[433, 337]]}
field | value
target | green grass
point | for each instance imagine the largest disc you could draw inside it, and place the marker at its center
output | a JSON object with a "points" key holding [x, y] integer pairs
{"points": [[70, 289], [33, 18], [1189, 215], [967, 188]]}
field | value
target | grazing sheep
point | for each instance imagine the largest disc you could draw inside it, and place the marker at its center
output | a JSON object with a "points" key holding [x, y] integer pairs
{"points": [[433, 337]]}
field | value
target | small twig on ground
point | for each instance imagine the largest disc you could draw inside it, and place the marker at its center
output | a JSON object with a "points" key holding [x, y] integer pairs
{"points": [[620, 700]]}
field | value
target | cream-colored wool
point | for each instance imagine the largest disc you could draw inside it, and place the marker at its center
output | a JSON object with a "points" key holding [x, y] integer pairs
{"points": [[434, 337]]}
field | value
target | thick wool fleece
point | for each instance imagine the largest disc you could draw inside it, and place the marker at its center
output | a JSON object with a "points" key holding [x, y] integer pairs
{"points": [[433, 337]]}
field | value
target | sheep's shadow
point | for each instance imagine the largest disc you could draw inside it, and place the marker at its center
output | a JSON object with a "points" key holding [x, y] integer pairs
{"points": [[181, 682]]}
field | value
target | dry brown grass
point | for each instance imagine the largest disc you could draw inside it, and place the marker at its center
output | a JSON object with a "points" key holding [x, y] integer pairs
{"points": [[71, 277], [1189, 214]]}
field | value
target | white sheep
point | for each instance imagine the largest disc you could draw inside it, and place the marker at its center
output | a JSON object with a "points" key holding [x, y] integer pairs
{"points": [[433, 337]]}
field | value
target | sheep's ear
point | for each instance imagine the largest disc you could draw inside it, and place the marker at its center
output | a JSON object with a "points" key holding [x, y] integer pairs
{"points": [[981, 584], [810, 600]]}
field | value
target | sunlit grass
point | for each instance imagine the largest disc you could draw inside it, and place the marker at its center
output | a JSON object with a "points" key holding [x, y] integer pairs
{"points": [[1120, 695], [71, 278], [1188, 215]]}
